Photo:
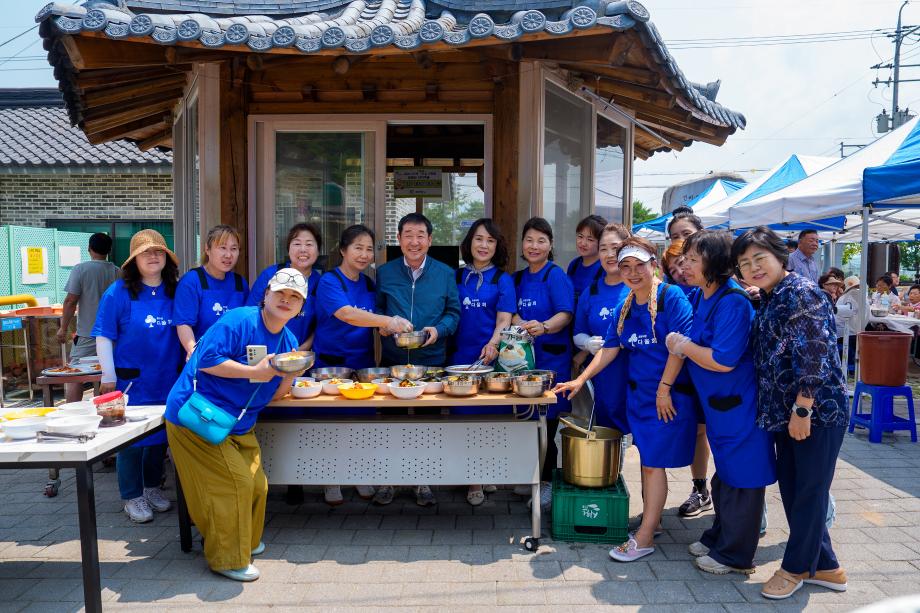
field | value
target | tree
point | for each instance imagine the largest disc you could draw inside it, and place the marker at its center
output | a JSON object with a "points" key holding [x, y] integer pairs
{"points": [[642, 213], [850, 250]]}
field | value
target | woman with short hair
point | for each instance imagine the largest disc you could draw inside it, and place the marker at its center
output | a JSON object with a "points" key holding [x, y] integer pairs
{"points": [[585, 269]]}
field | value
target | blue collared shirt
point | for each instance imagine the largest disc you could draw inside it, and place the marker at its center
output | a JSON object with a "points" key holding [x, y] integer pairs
{"points": [[800, 263]]}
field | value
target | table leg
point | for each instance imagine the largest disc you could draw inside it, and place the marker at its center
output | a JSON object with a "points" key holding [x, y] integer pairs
{"points": [[89, 545], [47, 395], [535, 510], [185, 522]]}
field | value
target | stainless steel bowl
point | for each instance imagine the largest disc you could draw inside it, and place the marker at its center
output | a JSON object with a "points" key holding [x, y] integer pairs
{"points": [[411, 340], [435, 371], [367, 375], [331, 372], [498, 382], [549, 377], [462, 385], [406, 371], [522, 386], [293, 361], [464, 369]]}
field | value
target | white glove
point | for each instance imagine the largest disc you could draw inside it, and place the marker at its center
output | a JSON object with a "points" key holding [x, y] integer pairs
{"points": [[594, 344], [397, 324], [675, 342]]}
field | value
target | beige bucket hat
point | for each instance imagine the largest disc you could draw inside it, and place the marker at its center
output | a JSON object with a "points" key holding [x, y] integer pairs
{"points": [[146, 240]]}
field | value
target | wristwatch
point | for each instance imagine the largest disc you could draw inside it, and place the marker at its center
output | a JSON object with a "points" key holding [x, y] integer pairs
{"points": [[802, 411]]}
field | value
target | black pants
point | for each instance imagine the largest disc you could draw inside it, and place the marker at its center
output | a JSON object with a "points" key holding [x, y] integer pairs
{"points": [[805, 470], [552, 452], [733, 541]]}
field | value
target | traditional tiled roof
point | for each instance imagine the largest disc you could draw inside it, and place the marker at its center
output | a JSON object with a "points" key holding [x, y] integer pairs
{"points": [[35, 133], [361, 26]]}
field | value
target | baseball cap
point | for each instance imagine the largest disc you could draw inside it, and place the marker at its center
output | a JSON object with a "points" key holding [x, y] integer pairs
{"points": [[289, 278], [631, 251]]}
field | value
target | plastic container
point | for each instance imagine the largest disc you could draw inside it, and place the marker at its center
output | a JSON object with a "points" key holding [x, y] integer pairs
{"points": [[883, 358], [111, 407], [596, 515]]}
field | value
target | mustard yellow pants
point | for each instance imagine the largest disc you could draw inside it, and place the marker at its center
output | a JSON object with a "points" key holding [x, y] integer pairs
{"points": [[225, 489]]}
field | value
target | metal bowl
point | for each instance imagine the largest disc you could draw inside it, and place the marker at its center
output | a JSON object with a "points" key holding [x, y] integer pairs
{"points": [[408, 371], [462, 385], [464, 369], [435, 371], [411, 340], [331, 372], [367, 375], [293, 361], [549, 377], [500, 382], [524, 386], [878, 312]]}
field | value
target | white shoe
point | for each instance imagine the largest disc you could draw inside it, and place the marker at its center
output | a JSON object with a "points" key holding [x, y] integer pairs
{"points": [[698, 549], [709, 565], [156, 500], [332, 494], [138, 510], [250, 573], [365, 492]]}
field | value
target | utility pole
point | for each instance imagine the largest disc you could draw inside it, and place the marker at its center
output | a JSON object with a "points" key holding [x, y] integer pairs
{"points": [[884, 122]]}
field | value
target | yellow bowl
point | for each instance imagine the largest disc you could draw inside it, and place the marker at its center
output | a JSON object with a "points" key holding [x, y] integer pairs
{"points": [[22, 413], [358, 391]]}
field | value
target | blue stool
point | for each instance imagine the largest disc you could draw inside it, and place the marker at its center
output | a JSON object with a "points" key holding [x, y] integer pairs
{"points": [[882, 417]]}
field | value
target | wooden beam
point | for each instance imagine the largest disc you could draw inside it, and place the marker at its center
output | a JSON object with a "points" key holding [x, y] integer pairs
{"points": [[104, 78], [73, 52], [505, 160], [234, 158], [117, 119], [97, 53], [369, 107], [157, 140], [114, 110], [126, 129], [622, 45], [133, 90], [639, 76]]}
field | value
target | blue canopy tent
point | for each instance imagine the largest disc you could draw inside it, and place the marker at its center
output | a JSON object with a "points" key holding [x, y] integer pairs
{"points": [[654, 229]]}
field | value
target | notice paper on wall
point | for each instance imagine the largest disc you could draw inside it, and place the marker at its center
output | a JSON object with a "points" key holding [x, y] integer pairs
{"points": [[34, 265], [68, 256]]}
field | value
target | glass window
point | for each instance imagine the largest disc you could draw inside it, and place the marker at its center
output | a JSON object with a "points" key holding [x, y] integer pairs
{"points": [[121, 233], [462, 203], [321, 178], [566, 141], [608, 169]]}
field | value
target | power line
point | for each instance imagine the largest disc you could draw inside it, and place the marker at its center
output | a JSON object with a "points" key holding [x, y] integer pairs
{"points": [[20, 35]]}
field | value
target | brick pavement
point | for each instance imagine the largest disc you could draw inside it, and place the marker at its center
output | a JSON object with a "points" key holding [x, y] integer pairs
{"points": [[403, 557]]}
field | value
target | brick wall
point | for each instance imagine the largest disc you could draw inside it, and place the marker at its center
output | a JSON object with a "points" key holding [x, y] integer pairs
{"points": [[31, 200]]}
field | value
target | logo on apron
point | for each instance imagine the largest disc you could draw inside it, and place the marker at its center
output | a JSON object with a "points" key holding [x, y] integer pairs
{"points": [[524, 303], [470, 303], [604, 313], [640, 339], [219, 309], [152, 321]]}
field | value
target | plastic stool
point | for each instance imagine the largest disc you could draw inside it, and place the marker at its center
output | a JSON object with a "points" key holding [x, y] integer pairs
{"points": [[882, 417]]}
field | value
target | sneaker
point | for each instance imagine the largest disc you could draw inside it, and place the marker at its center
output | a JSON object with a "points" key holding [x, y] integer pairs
{"points": [[250, 573], [630, 551], [424, 497], [384, 495], [831, 579], [332, 494], [365, 492], [156, 500], [475, 497], [782, 585], [259, 550], [521, 490], [490, 489], [696, 503], [710, 565], [698, 549], [138, 510]]}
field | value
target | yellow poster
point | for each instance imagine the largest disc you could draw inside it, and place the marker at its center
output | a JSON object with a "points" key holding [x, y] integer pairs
{"points": [[36, 261]]}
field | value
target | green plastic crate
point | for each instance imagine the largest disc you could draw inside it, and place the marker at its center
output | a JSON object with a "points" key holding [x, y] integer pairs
{"points": [[589, 515]]}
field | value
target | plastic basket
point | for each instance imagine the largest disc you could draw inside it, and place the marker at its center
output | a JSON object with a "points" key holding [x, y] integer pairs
{"points": [[596, 515]]}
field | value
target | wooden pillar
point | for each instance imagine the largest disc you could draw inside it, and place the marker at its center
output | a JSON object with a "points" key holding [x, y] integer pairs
{"points": [[234, 154], [505, 158]]}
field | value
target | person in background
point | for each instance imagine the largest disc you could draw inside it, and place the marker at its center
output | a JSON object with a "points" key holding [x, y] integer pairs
{"points": [[832, 286], [487, 301], [423, 291], [85, 286], [303, 245], [791, 244], [722, 370], [911, 301], [586, 269], [895, 281], [545, 306], [803, 261], [801, 399], [210, 290], [137, 345], [683, 223], [671, 265], [660, 399], [883, 295], [224, 485], [836, 273], [345, 320]]}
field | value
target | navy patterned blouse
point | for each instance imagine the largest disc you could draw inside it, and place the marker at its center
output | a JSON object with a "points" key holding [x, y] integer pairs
{"points": [[794, 341]]}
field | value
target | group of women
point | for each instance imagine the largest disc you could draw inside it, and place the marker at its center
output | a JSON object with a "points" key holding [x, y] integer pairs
{"points": [[668, 357]]}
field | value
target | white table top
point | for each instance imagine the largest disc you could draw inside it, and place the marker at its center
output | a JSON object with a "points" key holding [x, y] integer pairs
{"points": [[897, 323], [27, 451]]}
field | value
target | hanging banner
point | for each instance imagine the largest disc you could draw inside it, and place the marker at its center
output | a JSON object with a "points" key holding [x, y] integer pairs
{"points": [[417, 182]]}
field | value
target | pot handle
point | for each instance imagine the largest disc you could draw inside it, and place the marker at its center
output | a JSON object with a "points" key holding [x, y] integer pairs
{"points": [[566, 418]]}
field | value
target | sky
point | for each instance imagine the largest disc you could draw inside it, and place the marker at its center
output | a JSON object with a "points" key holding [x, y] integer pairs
{"points": [[803, 98]]}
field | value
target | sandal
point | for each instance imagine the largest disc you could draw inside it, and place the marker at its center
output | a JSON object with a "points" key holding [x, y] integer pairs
{"points": [[475, 497], [782, 585], [630, 551]]}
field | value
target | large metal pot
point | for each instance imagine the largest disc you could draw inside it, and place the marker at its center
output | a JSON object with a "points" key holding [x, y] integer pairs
{"points": [[590, 458]]}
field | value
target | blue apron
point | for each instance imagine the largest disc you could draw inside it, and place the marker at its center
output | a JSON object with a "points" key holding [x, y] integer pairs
{"points": [[357, 350], [583, 276], [478, 312], [216, 302], [661, 444], [148, 353], [551, 351], [743, 452], [609, 384]]}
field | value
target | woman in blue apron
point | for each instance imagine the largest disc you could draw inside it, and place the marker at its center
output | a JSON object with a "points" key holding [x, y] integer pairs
{"points": [[586, 268], [659, 401], [136, 316], [345, 319], [546, 304], [722, 370], [487, 302], [303, 245], [207, 292], [592, 320]]}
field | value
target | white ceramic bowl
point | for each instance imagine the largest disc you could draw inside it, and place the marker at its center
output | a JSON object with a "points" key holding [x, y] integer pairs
{"points": [[333, 388], [406, 393], [383, 387], [434, 387], [313, 390], [77, 408], [24, 428], [76, 424]]}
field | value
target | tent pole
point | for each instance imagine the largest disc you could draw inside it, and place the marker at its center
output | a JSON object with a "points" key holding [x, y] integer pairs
{"points": [[864, 271]]}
